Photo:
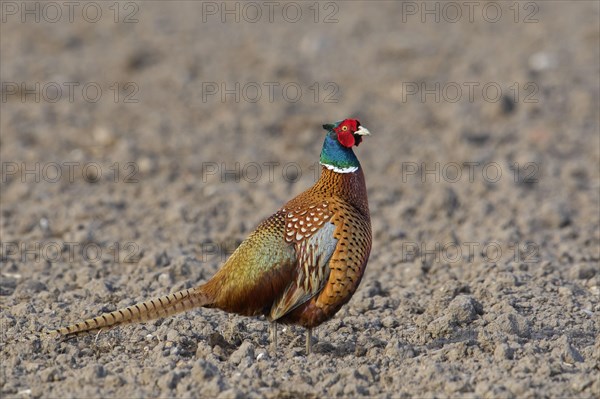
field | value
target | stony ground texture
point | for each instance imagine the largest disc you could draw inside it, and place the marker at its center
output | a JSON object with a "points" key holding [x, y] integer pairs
{"points": [[483, 278]]}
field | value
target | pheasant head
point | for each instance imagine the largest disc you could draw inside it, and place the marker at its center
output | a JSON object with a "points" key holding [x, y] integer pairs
{"points": [[337, 153]]}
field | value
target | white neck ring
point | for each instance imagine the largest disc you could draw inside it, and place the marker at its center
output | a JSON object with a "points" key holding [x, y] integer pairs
{"points": [[350, 169]]}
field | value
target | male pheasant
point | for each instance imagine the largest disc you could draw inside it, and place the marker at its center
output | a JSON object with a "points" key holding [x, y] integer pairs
{"points": [[299, 266]]}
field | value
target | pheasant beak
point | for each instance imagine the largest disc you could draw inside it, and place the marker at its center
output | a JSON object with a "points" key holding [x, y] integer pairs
{"points": [[362, 131]]}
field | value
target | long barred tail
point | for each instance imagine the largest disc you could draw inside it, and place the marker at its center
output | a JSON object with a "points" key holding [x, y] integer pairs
{"points": [[153, 309]]}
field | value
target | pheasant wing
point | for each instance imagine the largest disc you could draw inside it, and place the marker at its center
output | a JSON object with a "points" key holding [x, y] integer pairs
{"points": [[312, 233]]}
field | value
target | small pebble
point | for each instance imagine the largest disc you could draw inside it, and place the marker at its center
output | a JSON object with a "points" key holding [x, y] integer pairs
{"points": [[503, 351]]}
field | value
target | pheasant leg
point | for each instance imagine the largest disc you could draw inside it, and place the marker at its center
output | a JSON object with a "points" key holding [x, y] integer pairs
{"points": [[274, 338], [308, 341]]}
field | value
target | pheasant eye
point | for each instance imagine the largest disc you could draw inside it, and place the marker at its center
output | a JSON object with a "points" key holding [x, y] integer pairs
{"points": [[344, 128]]}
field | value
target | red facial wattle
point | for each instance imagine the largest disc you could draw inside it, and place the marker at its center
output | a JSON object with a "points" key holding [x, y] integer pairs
{"points": [[345, 138], [345, 133]]}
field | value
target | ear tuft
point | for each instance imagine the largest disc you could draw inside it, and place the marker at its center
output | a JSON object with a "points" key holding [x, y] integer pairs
{"points": [[328, 126]]}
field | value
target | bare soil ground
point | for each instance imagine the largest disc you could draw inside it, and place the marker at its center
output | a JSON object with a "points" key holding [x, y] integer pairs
{"points": [[483, 174]]}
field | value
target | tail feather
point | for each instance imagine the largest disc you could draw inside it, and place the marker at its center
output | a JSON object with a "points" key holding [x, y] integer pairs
{"points": [[152, 309]]}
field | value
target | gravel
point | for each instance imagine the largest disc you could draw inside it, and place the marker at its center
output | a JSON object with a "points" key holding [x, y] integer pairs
{"points": [[479, 284]]}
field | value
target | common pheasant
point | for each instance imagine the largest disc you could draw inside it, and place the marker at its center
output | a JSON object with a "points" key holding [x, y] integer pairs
{"points": [[299, 266]]}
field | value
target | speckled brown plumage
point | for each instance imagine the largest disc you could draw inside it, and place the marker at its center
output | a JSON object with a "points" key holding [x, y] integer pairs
{"points": [[348, 210], [299, 266]]}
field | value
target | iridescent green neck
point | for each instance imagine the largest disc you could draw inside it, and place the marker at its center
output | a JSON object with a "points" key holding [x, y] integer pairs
{"points": [[336, 157]]}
